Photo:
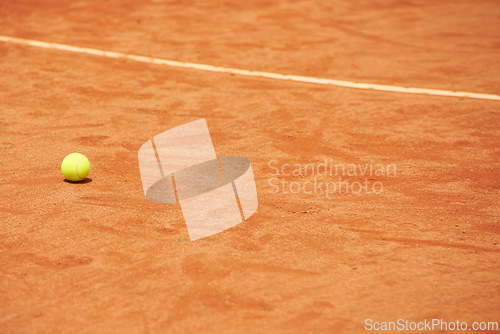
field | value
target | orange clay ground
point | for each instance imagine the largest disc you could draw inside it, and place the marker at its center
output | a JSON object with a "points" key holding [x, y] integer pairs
{"points": [[97, 257]]}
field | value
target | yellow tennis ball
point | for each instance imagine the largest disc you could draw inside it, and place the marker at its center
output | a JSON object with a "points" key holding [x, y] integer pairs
{"points": [[75, 167]]}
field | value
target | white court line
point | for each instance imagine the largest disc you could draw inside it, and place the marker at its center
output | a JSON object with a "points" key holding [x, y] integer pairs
{"points": [[258, 74]]}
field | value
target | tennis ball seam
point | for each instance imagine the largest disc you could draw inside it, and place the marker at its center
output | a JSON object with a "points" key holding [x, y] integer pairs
{"points": [[78, 166]]}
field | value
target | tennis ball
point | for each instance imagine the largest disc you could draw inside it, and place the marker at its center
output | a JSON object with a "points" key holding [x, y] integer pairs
{"points": [[75, 167]]}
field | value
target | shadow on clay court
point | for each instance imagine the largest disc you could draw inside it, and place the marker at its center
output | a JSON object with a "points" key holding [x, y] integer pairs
{"points": [[87, 180]]}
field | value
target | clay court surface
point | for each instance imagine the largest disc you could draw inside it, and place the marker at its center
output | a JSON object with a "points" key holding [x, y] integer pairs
{"points": [[97, 257]]}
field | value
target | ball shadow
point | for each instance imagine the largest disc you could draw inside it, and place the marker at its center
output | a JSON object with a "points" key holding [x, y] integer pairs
{"points": [[84, 181]]}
